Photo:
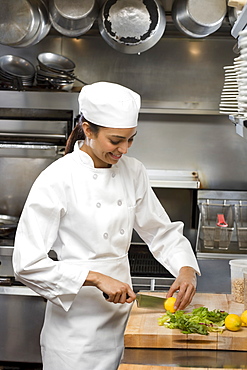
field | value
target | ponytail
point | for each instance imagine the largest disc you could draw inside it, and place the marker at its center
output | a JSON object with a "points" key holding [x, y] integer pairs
{"points": [[78, 133]]}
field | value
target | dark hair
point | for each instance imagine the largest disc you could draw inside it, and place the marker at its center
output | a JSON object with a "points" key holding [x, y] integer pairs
{"points": [[78, 133]]}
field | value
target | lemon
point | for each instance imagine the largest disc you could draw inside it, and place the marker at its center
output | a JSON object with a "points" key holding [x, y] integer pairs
{"points": [[244, 318], [169, 304], [233, 322]]}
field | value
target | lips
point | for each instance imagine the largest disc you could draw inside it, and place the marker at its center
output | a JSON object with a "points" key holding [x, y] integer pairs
{"points": [[116, 157]]}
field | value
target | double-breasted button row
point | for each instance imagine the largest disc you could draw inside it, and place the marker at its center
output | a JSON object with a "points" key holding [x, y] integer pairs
{"points": [[119, 203], [95, 176], [106, 235]]}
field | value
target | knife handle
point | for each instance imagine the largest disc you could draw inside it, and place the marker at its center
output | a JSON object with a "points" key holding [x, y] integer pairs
{"points": [[106, 296]]}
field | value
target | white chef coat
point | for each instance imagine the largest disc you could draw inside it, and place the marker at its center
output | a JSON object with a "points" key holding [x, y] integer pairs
{"points": [[86, 215]]}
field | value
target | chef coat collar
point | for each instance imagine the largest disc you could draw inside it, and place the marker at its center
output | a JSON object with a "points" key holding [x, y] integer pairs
{"points": [[86, 159]]}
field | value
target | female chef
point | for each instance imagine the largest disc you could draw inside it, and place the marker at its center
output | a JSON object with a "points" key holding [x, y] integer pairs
{"points": [[84, 206]]}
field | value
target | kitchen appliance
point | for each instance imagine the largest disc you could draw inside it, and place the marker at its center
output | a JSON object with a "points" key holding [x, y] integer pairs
{"points": [[177, 192], [30, 140], [227, 240]]}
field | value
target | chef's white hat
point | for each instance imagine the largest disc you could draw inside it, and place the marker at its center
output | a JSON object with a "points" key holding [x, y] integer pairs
{"points": [[110, 105]]}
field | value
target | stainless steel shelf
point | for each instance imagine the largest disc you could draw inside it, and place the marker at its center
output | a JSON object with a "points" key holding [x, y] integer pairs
{"points": [[174, 179]]}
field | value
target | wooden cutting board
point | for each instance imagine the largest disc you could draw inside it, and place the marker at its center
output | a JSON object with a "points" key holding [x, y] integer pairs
{"points": [[153, 367], [143, 331]]}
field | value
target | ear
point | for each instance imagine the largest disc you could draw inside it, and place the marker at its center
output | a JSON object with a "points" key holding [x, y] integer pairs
{"points": [[87, 130]]}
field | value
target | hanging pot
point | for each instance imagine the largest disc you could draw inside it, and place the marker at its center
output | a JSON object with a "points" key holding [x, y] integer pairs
{"points": [[73, 18], [132, 26], [19, 22], [44, 25], [198, 18]]}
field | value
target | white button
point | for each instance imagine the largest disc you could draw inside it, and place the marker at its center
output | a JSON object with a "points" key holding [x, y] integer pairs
{"points": [[105, 236], [113, 175], [119, 202], [122, 231], [95, 176], [98, 205]]}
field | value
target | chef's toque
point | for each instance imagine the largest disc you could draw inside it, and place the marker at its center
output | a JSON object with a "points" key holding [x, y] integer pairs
{"points": [[109, 105]]}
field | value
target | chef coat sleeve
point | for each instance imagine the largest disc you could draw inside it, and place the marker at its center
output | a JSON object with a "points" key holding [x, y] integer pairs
{"points": [[164, 238], [57, 281]]}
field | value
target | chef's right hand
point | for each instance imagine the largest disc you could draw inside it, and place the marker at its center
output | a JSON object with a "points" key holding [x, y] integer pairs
{"points": [[117, 291]]}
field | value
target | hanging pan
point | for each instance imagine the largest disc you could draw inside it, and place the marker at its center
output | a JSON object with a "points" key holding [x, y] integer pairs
{"points": [[8, 224], [73, 18], [132, 26], [198, 18]]}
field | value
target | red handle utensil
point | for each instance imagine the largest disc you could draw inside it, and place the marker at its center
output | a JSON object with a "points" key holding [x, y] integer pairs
{"points": [[221, 220]]}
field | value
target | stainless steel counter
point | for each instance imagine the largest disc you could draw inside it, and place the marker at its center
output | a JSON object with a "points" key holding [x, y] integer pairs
{"points": [[21, 319], [184, 358]]}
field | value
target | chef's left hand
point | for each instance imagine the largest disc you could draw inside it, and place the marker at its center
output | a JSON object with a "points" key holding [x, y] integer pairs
{"points": [[185, 284]]}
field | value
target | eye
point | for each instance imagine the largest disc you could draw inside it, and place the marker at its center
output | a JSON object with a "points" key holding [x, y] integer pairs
{"points": [[114, 142]]}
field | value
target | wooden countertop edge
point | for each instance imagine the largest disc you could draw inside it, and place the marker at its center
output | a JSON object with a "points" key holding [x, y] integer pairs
{"points": [[154, 367]]}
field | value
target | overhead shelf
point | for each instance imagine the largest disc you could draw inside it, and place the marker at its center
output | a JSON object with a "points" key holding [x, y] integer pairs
{"points": [[174, 179]]}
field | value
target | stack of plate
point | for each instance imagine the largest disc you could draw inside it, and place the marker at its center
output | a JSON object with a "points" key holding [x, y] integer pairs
{"points": [[229, 95], [242, 73], [55, 71], [234, 93], [16, 72]]}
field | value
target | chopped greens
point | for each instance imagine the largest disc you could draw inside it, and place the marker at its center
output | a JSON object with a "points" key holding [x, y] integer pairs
{"points": [[200, 321]]}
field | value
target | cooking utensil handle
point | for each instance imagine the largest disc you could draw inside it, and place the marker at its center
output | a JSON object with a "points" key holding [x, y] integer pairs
{"points": [[221, 220]]}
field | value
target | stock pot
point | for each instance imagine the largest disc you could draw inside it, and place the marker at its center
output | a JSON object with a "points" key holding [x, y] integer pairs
{"points": [[198, 18]]}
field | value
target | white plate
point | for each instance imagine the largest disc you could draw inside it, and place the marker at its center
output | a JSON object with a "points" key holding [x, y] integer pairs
{"points": [[227, 98]]}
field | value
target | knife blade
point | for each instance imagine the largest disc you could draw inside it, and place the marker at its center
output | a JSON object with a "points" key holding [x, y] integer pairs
{"points": [[147, 301], [150, 301]]}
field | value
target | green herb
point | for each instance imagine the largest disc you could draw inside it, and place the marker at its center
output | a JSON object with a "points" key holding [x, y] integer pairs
{"points": [[200, 321]]}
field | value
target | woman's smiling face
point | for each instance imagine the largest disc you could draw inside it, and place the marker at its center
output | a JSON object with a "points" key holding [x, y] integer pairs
{"points": [[108, 146]]}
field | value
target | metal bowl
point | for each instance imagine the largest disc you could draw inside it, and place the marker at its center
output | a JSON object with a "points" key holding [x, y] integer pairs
{"points": [[73, 18], [197, 18], [132, 27]]}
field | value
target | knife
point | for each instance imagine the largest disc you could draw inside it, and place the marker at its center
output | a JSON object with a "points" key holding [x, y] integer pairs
{"points": [[147, 301]]}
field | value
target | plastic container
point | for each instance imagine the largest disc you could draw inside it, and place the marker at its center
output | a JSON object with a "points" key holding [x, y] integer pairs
{"points": [[241, 225], [215, 236], [245, 288], [237, 279]]}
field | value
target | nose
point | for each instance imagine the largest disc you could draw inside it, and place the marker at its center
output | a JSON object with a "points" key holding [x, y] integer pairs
{"points": [[123, 148]]}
